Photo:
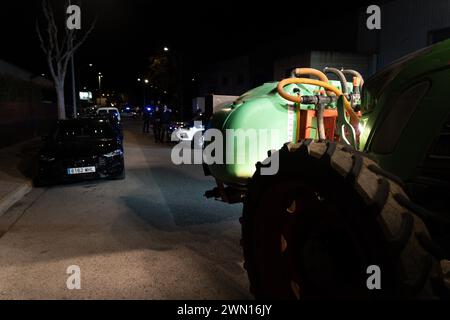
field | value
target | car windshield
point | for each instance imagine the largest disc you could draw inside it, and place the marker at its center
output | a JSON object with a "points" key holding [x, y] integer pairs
{"points": [[78, 130]]}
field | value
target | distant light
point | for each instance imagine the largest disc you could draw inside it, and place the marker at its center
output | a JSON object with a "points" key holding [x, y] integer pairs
{"points": [[99, 73], [149, 109], [90, 64], [193, 79], [146, 80], [139, 79], [43, 74], [85, 95], [165, 91], [166, 49], [128, 108]]}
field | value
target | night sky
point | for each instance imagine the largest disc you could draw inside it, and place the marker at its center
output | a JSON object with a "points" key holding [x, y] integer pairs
{"points": [[128, 31]]}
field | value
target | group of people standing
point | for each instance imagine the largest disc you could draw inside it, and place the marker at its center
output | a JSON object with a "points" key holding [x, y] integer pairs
{"points": [[160, 121]]}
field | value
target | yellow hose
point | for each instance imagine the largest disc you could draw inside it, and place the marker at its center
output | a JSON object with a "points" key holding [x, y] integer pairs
{"points": [[311, 71], [298, 99]]}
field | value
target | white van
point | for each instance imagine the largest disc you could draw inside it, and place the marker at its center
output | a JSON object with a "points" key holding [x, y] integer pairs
{"points": [[109, 110]]}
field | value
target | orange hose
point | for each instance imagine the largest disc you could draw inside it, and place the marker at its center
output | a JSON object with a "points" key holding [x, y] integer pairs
{"points": [[298, 99], [314, 72], [311, 71]]}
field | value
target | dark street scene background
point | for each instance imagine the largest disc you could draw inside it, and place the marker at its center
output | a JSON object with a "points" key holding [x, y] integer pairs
{"points": [[149, 232]]}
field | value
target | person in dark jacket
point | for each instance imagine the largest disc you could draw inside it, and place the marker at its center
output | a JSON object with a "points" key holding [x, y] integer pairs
{"points": [[166, 116], [146, 118], [156, 123]]}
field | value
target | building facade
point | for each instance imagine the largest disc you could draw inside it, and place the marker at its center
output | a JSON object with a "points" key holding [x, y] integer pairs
{"points": [[406, 26], [27, 104]]}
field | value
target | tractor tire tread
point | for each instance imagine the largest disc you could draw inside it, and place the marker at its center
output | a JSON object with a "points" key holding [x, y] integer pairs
{"points": [[381, 192]]}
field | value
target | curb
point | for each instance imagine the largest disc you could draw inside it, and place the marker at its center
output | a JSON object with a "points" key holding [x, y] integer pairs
{"points": [[14, 196]]}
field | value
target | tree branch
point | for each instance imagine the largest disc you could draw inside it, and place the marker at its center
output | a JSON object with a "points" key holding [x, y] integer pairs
{"points": [[58, 53]]}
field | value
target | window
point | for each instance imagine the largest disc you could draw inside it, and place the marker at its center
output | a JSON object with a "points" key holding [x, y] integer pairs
{"points": [[400, 112], [77, 130]]}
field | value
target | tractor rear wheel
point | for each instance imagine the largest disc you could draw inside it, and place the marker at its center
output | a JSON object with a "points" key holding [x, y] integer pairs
{"points": [[313, 229]]}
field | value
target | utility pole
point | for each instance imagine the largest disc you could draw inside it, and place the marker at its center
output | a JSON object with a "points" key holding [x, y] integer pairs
{"points": [[74, 93], [145, 92], [100, 87], [176, 58]]}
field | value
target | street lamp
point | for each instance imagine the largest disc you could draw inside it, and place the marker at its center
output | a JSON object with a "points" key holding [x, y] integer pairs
{"points": [[144, 89], [100, 86]]}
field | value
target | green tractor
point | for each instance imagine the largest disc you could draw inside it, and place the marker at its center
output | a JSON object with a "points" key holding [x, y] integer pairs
{"points": [[361, 181]]}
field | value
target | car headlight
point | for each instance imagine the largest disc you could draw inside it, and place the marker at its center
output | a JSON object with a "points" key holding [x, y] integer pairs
{"points": [[46, 158], [114, 153]]}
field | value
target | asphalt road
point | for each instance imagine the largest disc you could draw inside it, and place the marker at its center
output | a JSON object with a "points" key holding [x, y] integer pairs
{"points": [[150, 236]]}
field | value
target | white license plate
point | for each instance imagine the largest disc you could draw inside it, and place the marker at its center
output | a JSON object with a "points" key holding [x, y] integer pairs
{"points": [[80, 170]]}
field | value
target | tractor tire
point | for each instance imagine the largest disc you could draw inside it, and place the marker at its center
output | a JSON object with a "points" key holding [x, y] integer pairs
{"points": [[313, 229]]}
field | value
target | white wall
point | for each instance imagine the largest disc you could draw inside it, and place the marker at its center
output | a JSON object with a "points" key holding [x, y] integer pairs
{"points": [[198, 103], [358, 62]]}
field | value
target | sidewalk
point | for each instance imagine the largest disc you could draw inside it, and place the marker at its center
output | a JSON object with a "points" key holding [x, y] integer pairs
{"points": [[17, 167]]}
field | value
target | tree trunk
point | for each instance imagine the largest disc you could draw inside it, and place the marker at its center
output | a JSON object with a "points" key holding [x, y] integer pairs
{"points": [[61, 102]]}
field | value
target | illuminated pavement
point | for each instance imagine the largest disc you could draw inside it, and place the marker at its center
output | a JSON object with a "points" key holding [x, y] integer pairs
{"points": [[150, 236]]}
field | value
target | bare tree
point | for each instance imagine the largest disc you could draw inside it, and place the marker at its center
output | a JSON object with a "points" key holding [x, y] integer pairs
{"points": [[58, 51], [164, 70]]}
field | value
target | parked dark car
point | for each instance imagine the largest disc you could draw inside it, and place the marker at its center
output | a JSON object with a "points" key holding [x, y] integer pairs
{"points": [[81, 149]]}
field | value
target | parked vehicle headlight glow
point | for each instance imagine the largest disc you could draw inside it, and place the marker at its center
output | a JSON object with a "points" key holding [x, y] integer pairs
{"points": [[114, 153]]}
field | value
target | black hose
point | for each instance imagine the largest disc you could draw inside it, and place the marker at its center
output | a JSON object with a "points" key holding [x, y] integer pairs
{"points": [[355, 74], [340, 75]]}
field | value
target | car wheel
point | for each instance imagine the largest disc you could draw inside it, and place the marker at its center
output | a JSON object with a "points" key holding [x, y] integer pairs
{"points": [[121, 175]]}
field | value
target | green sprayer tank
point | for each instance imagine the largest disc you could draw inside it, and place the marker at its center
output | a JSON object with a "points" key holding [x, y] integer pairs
{"points": [[264, 117], [404, 123]]}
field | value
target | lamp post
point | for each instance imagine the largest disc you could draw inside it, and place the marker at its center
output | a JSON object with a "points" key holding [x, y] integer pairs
{"points": [[145, 92], [100, 76], [72, 71], [177, 62]]}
